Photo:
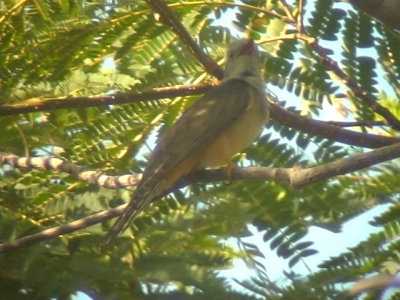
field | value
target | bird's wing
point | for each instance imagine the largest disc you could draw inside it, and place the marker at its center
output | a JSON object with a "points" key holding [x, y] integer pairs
{"points": [[202, 123]]}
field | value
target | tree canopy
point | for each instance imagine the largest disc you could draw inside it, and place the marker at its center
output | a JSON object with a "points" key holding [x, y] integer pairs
{"points": [[86, 87]]}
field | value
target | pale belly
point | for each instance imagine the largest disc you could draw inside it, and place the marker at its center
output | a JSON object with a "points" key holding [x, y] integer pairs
{"points": [[233, 140]]}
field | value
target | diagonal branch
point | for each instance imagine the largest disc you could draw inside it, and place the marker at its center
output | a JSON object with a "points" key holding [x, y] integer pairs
{"points": [[168, 17], [9, 12], [321, 52], [369, 99], [297, 177], [329, 63]]}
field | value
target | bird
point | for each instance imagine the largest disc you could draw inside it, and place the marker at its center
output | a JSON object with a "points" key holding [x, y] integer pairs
{"points": [[221, 123]]}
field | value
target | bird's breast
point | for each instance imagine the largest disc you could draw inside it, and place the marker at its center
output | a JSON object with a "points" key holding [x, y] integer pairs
{"points": [[239, 135]]}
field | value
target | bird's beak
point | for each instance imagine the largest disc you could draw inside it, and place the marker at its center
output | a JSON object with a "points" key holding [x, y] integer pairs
{"points": [[249, 48]]}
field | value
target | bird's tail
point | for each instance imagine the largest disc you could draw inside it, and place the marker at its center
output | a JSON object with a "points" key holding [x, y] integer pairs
{"points": [[142, 197]]}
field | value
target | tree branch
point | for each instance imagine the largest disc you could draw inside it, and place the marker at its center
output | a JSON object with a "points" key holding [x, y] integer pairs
{"points": [[353, 86], [297, 177], [91, 101], [63, 229], [358, 123], [80, 172], [168, 17], [300, 177], [325, 130], [367, 98], [280, 115]]}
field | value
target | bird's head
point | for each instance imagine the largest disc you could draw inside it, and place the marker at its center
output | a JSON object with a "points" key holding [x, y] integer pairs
{"points": [[243, 62]]}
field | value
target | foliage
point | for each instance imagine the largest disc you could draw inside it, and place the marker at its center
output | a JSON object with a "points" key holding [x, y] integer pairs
{"points": [[57, 49]]}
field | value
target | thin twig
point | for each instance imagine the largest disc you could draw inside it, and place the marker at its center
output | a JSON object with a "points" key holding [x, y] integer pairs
{"points": [[358, 123], [9, 12], [300, 24], [291, 36], [241, 5], [287, 10]]}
